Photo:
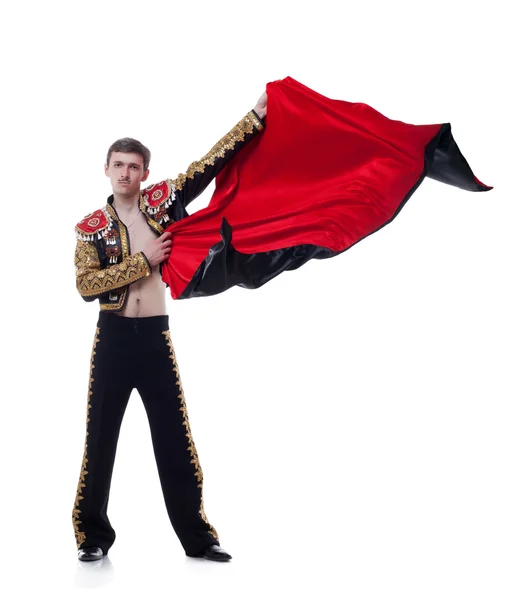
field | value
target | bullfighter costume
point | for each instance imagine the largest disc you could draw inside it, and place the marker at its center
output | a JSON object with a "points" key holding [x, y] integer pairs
{"points": [[138, 353], [324, 175]]}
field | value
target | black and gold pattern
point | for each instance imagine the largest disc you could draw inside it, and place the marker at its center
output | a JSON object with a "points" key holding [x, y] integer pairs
{"points": [[91, 280], [192, 449], [80, 535], [245, 126], [112, 213], [104, 269], [151, 222]]}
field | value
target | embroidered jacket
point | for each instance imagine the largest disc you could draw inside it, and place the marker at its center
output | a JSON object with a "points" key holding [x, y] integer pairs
{"points": [[104, 262]]}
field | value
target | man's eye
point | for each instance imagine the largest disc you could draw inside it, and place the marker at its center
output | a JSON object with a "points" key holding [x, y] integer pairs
{"points": [[135, 168]]}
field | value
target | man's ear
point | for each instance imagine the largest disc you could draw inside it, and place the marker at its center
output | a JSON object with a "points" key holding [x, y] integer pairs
{"points": [[145, 175], [106, 170]]}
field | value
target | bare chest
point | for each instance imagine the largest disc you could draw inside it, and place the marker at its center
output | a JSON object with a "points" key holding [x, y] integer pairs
{"points": [[140, 234]]}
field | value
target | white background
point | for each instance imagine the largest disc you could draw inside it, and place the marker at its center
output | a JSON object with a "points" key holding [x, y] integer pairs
{"points": [[359, 421]]}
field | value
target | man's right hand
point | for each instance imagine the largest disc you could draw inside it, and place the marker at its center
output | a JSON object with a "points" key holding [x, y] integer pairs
{"points": [[158, 250]]}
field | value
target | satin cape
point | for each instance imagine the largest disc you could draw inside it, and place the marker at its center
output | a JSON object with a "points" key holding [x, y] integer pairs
{"points": [[323, 175]]}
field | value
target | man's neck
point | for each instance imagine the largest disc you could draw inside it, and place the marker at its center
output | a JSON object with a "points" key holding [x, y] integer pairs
{"points": [[125, 204]]}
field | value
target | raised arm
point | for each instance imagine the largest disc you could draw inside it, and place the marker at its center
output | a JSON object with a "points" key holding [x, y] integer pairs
{"points": [[187, 186]]}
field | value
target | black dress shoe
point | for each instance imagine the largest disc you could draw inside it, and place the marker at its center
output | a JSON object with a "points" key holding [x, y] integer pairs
{"points": [[214, 552], [93, 553]]}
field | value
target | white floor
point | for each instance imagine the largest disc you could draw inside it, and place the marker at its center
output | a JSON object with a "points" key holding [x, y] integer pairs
{"points": [[387, 553]]}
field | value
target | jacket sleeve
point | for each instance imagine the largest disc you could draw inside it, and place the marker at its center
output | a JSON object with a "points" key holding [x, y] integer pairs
{"points": [[92, 281], [193, 182]]}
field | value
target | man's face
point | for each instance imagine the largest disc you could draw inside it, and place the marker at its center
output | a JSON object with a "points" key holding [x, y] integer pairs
{"points": [[126, 172]]}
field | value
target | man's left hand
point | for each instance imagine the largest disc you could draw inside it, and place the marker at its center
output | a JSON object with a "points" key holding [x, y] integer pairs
{"points": [[261, 106]]}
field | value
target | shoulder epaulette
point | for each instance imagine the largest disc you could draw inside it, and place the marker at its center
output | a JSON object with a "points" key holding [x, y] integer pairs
{"points": [[157, 196], [93, 225]]}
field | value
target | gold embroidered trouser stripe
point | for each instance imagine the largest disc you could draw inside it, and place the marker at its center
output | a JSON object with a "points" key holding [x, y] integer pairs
{"points": [[79, 534], [191, 447]]}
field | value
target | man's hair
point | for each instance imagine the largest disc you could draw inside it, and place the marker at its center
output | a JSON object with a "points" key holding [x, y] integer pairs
{"points": [[130, 145]]}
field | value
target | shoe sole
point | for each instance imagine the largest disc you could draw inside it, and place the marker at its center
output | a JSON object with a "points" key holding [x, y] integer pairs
{"points": [[90, 558]]}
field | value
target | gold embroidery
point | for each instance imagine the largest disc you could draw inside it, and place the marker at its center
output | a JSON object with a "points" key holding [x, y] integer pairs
{"points": [[80, 535], [192, 449], [123, 237], [115, 305], [91, 280], [124, 241], [112, 212], [228, 142], [150, 221], [258, 123], [125, 253]]}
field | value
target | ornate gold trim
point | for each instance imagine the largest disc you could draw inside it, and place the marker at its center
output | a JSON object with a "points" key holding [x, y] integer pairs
{"points": [[91, 280], [115, 305], [258, 123], [150, 221], [124, 240], [112, 212], [192, 449], [80, 535], [228, 142], [125, 253]]}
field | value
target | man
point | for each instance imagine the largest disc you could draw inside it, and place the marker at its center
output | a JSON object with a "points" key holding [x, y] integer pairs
{"points": [[118, 259]]}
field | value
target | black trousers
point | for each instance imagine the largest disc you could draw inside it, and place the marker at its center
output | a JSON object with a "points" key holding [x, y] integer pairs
{"points": [[138, 353]]}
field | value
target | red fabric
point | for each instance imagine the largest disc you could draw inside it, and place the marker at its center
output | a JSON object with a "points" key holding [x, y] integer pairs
{"points": [[324, 172], [156, 194], [92, 222]]}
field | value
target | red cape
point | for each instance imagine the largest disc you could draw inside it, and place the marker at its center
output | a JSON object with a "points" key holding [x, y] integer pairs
{"points": [[323, 175]]}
